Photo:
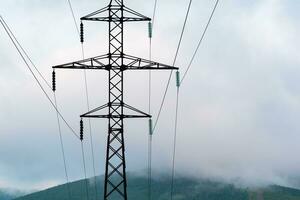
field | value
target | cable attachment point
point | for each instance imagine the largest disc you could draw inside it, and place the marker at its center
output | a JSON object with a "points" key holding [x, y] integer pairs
{"points": [[150, 30], [81, 130], [150, 127], [53, 81], [178, 79], [81, 33]]}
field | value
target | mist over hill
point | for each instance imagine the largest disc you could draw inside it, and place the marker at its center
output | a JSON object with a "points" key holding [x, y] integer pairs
{"points": [[185, 189], [8, 194]]}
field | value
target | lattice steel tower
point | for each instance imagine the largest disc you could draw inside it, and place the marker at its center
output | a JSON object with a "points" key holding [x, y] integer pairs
{"points": [[115, 62]]}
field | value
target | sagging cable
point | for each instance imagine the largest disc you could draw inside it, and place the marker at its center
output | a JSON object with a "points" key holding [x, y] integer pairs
{"points": [[80, 31], [83, 159], [21, 51], [174, 62]]}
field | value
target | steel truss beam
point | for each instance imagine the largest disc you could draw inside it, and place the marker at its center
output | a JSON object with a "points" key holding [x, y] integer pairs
{"points": [[102, 62]]}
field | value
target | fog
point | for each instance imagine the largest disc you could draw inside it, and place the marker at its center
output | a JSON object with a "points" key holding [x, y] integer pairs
{"points": [[239, 104]]}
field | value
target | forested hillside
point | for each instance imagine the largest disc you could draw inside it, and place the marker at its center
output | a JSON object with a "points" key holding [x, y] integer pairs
{"points": [[9, 194], [185, 189]]}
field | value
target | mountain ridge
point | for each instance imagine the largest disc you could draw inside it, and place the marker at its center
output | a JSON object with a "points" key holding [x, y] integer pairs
{"points": [[8, 194], [185, 189]]}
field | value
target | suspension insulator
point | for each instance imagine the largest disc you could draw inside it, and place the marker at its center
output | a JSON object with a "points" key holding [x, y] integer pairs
{"points": [[150, 127], [53, 81], [150, 30], [81, 130], [81, 33], [178, 79]]}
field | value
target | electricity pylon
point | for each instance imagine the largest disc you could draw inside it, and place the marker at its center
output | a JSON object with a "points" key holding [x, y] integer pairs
{"points": [[115, 62]]}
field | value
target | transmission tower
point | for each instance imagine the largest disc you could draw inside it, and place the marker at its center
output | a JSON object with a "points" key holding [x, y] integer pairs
{"points": [[116, 110]]}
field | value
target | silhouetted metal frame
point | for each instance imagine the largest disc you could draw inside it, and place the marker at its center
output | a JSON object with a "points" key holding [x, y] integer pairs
{"points": [[115, 62]]}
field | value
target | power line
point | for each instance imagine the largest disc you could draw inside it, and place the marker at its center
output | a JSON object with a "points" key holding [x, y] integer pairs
{"points": [[150, 166], [91, 135], [179, 82], [73, 15], [200, 42], [87, 99], [150, 135], [150, 27], [175, 59], [175, 141], [84, 169], [154, 12], [165, 94], [14, 39], [164, 97], [12, 36], [62, 149], [27, 56]]}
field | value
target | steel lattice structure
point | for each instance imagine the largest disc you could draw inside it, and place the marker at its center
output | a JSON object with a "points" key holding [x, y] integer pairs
{"points": [[115, 62]]}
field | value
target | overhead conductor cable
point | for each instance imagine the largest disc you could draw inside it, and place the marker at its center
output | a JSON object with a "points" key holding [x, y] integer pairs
{"points": [[175, 133], [17, 46], [60, 135], [178, 84], [83, 160], [174, 62], [80, 32], [200, 41], [150, 34]]}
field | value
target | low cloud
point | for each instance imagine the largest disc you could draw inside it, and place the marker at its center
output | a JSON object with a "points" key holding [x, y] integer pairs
{"points": [[238, 106]]}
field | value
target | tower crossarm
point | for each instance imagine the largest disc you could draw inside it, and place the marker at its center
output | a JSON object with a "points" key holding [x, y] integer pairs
{"points": [[135, 63], [129, 15], [130, 112], [102, 62], [99, 62]]}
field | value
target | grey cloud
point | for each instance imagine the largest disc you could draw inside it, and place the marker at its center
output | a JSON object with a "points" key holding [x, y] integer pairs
{"points": [[239, 103]]}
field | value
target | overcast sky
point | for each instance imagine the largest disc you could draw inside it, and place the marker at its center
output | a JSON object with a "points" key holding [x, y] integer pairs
{"points": [[239, 106]]}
